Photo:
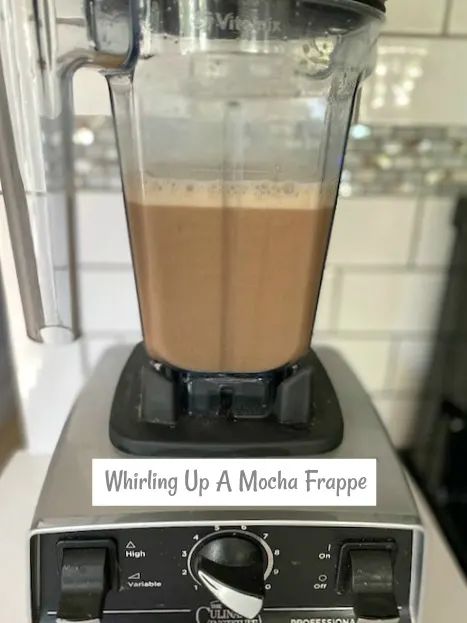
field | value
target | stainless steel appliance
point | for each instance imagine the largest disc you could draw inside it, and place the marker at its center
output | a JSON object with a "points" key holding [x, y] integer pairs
{"points": [[271, 564], [231, 118]]}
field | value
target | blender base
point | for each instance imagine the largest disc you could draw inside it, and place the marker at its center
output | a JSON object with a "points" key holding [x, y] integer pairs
{"points": [[149, 542], [219, 436]]}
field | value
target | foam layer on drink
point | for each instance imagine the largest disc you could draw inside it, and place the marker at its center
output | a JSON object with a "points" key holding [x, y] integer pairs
{"points": [[228, 274], [217, 194]]}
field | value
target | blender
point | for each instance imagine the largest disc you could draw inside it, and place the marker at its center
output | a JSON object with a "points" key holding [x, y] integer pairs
{"points": [[231, 121], [231, 118]]}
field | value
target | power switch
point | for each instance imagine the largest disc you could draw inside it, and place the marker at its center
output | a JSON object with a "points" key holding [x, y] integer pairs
{"points": [[84, 583], [372, 586]]}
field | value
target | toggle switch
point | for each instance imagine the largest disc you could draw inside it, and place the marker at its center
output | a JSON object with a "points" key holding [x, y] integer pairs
{"points": [[372, 586], [366, 574], [85, 579]]}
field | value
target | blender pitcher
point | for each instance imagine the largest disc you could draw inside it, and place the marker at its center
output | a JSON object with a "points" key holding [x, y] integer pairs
{"points": [[232, 124], [231, 120]]}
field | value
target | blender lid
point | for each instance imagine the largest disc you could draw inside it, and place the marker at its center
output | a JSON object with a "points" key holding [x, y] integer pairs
{"points": [[224, 19], [377, 4]]}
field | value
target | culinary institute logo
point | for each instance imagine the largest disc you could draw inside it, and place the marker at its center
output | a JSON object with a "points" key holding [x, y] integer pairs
{"points": [[216, 613]]}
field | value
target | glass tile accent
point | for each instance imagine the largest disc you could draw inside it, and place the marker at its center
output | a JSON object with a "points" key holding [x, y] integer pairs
{"points": [[380, 160]]}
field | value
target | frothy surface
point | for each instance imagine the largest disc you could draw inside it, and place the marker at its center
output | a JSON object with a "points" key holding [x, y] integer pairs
{"points": [[213, 194]]}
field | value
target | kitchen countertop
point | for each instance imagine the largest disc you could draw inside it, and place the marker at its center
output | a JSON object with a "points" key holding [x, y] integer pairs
{"points": [[444, 592]]}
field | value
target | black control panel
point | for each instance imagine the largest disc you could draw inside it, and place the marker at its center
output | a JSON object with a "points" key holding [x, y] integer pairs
{"points": [[214, 573]]}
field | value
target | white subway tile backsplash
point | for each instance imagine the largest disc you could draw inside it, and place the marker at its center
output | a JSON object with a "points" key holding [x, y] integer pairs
{"points": [[102, 229], [458, 18], [90, 93], [415, 16], [437, 232], [108, 301], [368, 358], [372, 231], [397, 415], [327, 298], [390, 301], [409, 366]]}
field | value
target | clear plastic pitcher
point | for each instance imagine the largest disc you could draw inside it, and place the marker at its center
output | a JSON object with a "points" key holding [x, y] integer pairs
{"points": [[232, 130], [232, 119]]}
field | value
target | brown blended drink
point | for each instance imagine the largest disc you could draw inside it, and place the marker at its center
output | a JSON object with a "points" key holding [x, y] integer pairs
{"points": [[228, 275]]}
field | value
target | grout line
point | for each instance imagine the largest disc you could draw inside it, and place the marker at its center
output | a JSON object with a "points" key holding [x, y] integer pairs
{"points": [[372, 269], [400, 395], [389, 335], [387, 268], [109, 189], [336, 298], [391, 363], [97, 267], [423, 35], [416, 236], [84, 357], [357, 335], [105, 267], [447, 17]]}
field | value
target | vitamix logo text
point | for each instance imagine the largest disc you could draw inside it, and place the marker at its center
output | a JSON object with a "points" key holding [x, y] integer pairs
{"points": [[212, 21], [217, 613]]}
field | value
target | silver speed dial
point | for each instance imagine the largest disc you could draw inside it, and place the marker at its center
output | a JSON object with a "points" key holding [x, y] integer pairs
{"points": [[232, 566]]}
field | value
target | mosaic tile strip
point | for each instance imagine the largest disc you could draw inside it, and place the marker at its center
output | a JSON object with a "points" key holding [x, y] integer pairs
{"points": [[380, 160]]}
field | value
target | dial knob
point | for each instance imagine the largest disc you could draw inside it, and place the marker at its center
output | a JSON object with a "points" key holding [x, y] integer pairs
{"points": [[232, 568]]}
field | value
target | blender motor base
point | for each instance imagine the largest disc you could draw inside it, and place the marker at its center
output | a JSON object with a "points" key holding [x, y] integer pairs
{"points": [[217, 436]]}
